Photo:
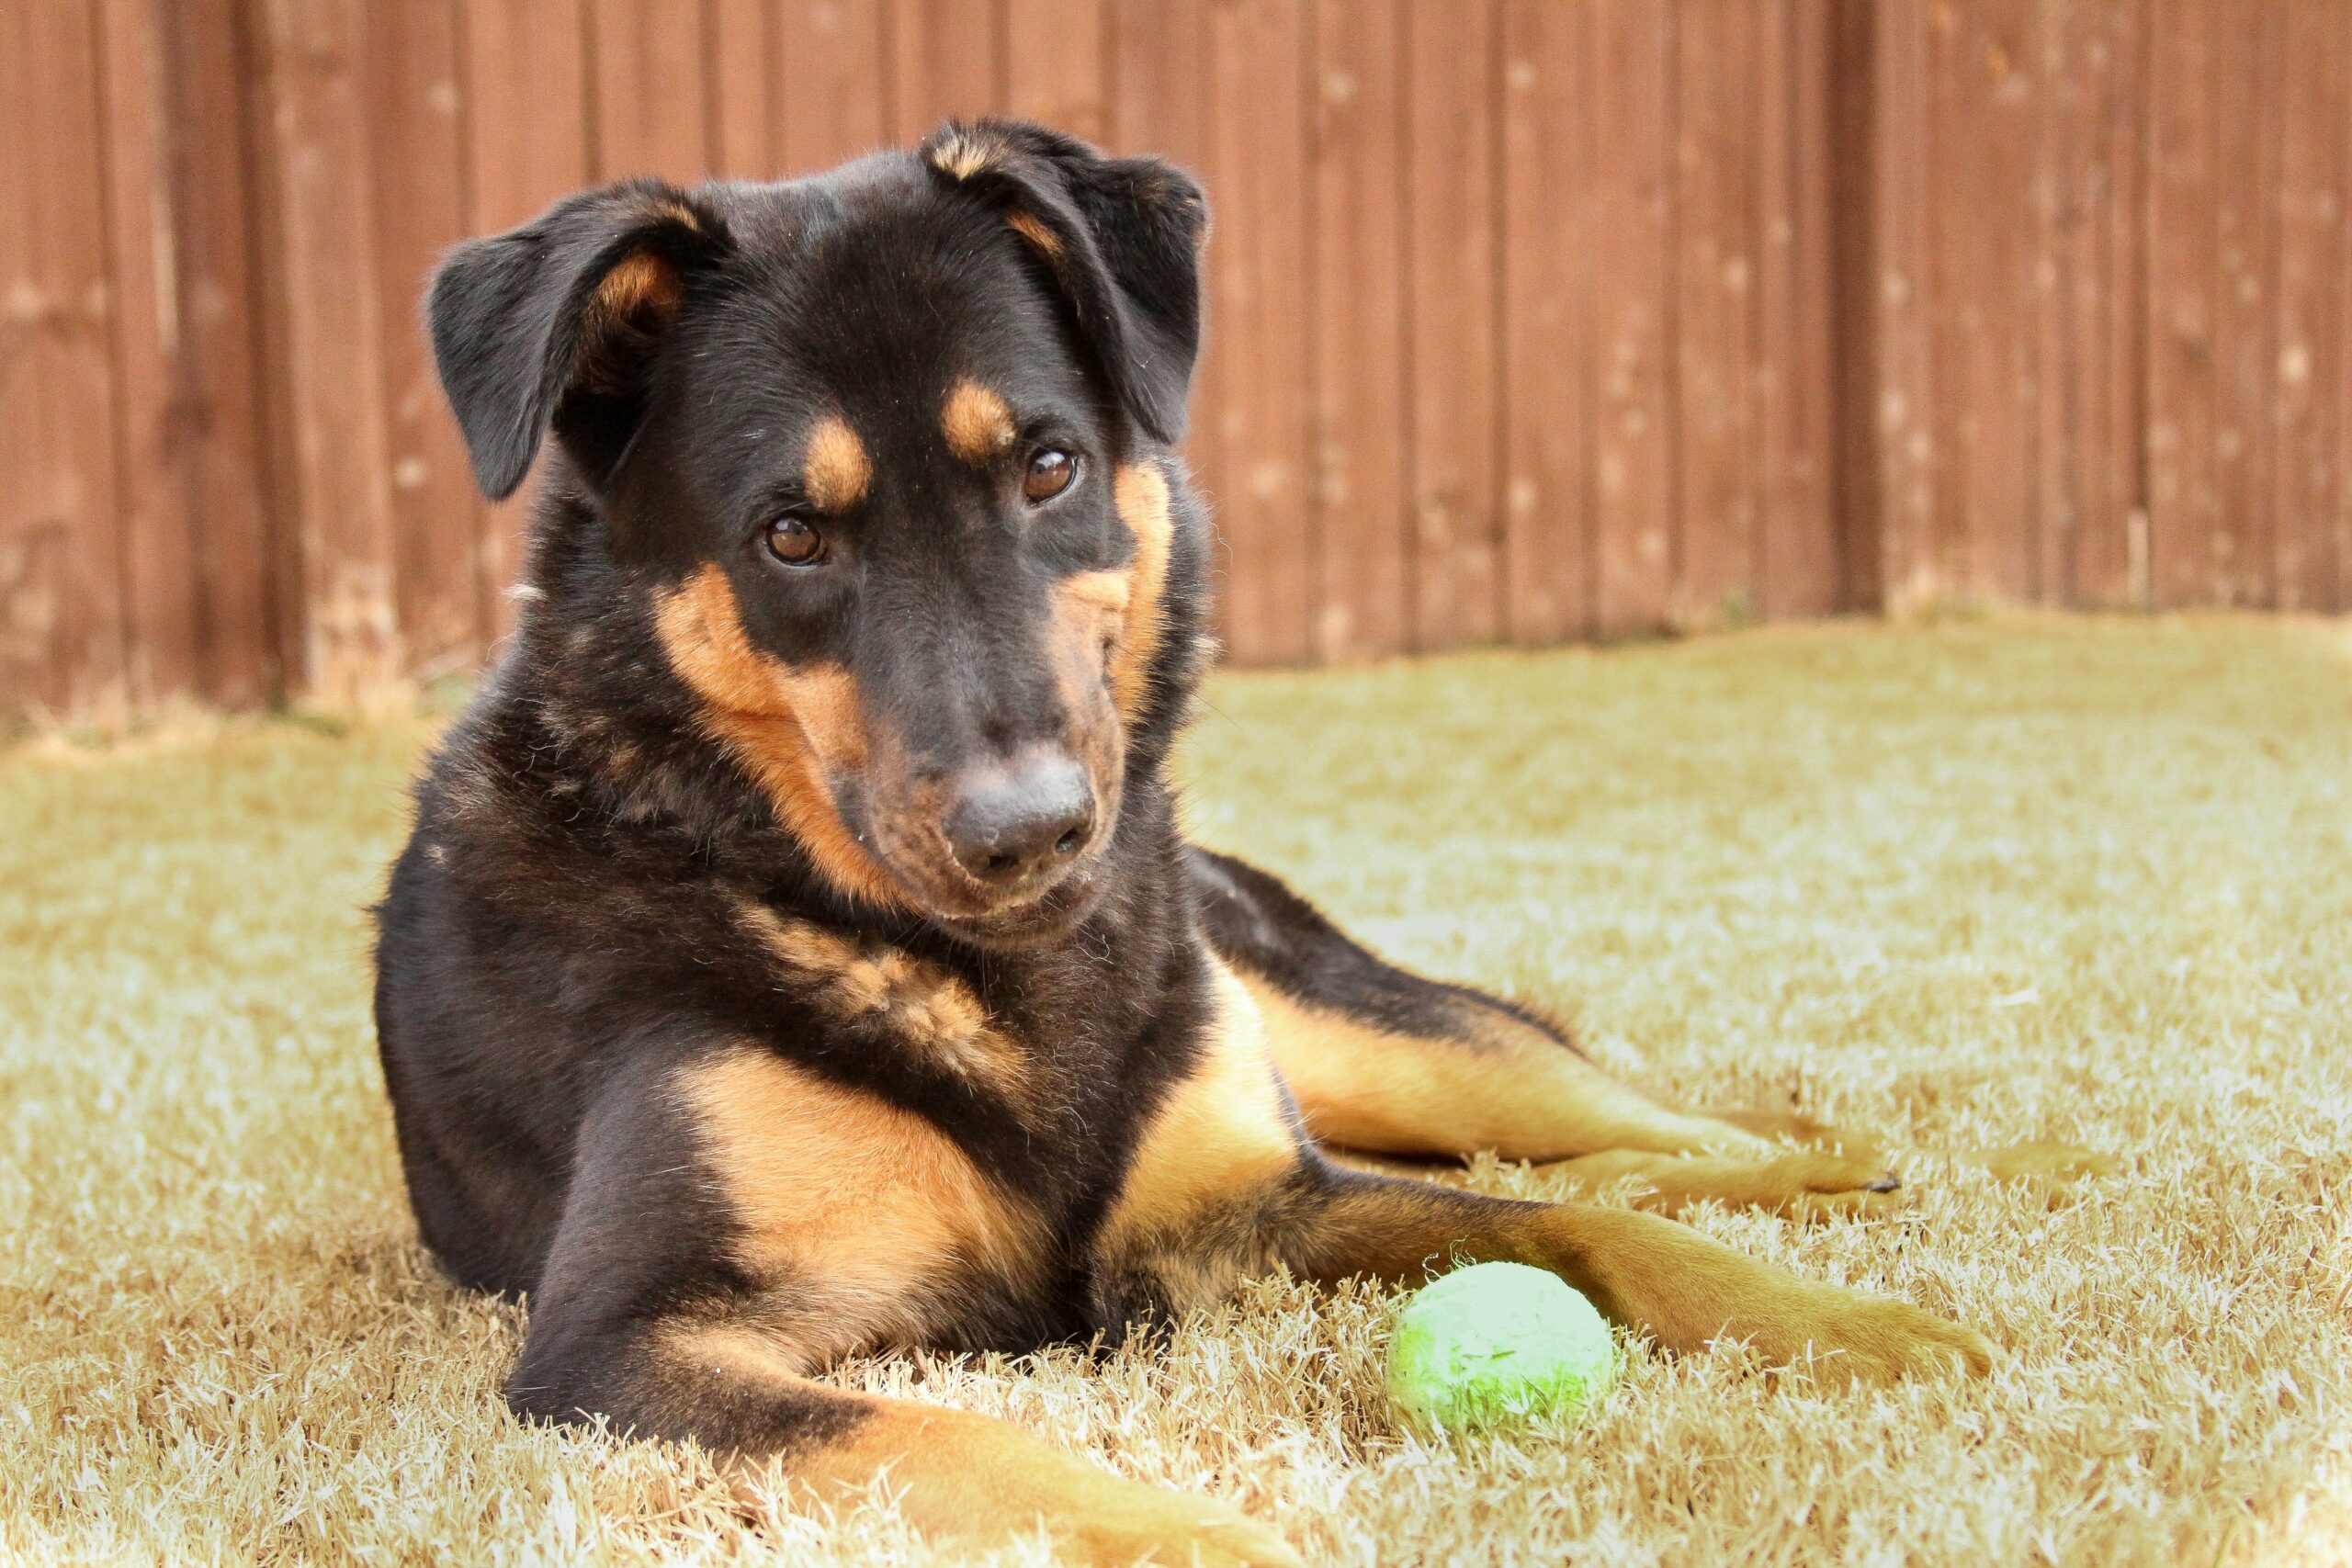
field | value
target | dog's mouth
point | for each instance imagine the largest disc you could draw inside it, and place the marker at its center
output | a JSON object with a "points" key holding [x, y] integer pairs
{"points": [[1026, 910]]}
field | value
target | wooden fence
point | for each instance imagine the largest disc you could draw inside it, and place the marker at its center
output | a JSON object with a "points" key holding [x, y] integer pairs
{"points": [[1532, 320]]}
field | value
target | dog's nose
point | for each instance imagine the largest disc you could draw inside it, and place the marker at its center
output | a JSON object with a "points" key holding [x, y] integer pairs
{"points": [[1012, 819]]}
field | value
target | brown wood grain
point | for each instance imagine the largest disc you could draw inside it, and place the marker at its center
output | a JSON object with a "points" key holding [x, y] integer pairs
{"points": [[1055, 65], [1360, 482], [419, 208], [1256, 376], [1797, 570], [1548, 392], [1630, 106], [835, 63], [947, 60], [651, 100], [2184, 495], [1718, 253], [745, 73], [1453, 201], [61, 587], [346, 619]]}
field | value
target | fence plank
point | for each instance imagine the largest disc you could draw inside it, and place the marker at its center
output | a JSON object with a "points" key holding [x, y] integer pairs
{"points": [[348, 623], [836, 102], [1547, 262], [2184, 495], [1055, 55], [746, 79], [1717, 263], [947, 60], [163, 634], [2314, 302], [650, 95], [1256, 381], [1452, 52], [1359, 483], [419, 211], [61, 600], [1629, 99], [1797, 571]]}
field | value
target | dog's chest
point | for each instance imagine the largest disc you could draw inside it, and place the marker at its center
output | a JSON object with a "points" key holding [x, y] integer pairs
{"points": [[1195, 1206]]}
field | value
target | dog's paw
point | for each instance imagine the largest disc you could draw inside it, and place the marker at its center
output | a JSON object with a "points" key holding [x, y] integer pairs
{"points": [[1842, 1338], [1795, 1126], [1808, 1186]]}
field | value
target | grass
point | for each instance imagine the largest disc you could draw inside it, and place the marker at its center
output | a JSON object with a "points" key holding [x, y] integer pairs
{"points": [[2011, 878]]}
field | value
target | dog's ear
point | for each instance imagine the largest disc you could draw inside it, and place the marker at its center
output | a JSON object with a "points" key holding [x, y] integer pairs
{"points": [[1121, 237], [555, 325]]}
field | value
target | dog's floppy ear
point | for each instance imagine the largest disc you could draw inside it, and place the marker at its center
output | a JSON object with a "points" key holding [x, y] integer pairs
{"points": [[1121, 237], [554, 324]]}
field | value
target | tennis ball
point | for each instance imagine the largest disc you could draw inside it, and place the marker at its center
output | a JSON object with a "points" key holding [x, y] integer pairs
{"points": [[1497, 1341]]}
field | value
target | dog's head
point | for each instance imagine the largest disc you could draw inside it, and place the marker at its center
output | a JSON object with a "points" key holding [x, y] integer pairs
{"points": [[878, 460]]}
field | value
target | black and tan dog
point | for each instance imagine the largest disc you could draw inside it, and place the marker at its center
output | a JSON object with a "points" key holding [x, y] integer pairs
{"points": [[797, 954]]}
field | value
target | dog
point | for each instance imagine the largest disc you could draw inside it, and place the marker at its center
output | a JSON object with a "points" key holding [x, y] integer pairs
{"points": [[797, 954]]}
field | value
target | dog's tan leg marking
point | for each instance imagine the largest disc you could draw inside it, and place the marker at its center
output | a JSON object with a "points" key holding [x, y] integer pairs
{"points": [[861, 1224], [966, 1478], [1641, 1271], [1501, 1086], [791, 727]]}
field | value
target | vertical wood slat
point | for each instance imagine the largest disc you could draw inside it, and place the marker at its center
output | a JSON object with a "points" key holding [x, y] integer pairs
{"points": [[1055, 60], [163, 631], [1255, 382], [2314, 389], [834, 59], [1451, 192], [348, 630], [947, 60], [1718, 260], [746, 80], [61, 592], [419, 210], [1548, 392], [1630, 104], [1360, 435], [1799, 571], [652, 102]]}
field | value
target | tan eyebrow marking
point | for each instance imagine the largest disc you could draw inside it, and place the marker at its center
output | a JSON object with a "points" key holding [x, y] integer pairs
{"points": [[835, 469], [978, 425]]}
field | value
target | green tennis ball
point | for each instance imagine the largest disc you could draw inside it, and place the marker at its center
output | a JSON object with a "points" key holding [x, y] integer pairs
{"points": [[1496, 1342]]}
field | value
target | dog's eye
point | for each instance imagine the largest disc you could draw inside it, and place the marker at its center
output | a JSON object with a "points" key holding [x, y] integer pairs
{"points": [[794, 542], [1051, 471]]}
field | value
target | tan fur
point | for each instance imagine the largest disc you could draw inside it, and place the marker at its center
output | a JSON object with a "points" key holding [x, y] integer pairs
{"points": [[639, 296], [1032, 229], [962, 156], [1516, 1092], [790, 726], [1140, 491], [974, 1479], [977, 424], [865, 1212], [835, 471], [1222, 1135], [935, 1013]]}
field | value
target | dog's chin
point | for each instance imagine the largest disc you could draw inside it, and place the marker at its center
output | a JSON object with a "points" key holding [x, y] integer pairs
{"points": [[1031, 919]]}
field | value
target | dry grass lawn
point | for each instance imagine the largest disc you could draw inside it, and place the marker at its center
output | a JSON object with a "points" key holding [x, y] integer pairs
{"points": [[1966, 883]]}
